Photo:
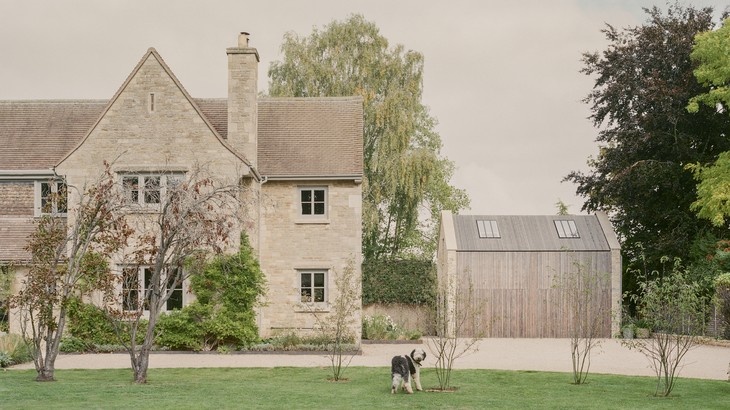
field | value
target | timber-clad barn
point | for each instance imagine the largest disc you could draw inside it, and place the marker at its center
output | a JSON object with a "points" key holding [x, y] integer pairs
{"points": [[512, 263]]}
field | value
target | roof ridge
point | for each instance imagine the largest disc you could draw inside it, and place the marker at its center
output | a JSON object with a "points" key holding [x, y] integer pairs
{"points": [[56, 101], [313, 99]]}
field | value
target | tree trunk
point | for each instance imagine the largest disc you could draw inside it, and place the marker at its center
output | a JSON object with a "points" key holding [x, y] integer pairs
{"points": [[140, 365], [45, 374]]}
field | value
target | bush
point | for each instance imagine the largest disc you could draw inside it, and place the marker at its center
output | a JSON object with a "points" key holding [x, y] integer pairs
{"points": [[382, 327], [200, 327], [13, 350], [227, 292], [182, 329], [379, 327], [5, 360], [74, 345], [89, 323]]}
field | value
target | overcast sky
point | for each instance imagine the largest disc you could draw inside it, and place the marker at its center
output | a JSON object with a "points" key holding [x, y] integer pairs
{"points": [[501, 76]]}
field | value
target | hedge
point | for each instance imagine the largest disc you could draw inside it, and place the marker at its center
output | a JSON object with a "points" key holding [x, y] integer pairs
{"points": [[410, 282]]}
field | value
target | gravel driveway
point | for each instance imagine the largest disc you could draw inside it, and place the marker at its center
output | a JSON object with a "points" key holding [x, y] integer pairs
{"points": [[703, 362]]}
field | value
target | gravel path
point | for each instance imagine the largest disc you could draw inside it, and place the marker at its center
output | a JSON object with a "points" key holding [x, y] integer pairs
{"points": [[703, 362]]}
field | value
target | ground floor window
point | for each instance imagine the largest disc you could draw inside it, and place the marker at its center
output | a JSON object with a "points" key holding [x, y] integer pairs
{"points": [[312, 285], [137, 285]]}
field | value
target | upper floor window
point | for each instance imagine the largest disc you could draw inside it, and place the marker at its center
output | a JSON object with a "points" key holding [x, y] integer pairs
{"points": [[312, 286], [567, 229], [137, 284], [313, 201], [488, 229], [149, 189], [51, 198]]}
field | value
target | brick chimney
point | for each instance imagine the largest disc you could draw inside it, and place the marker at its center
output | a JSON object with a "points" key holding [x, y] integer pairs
{"points": [[243, 64]]}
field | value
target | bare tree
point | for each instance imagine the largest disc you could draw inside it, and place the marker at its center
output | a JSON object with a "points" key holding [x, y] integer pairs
{"points": [[672, 306], [457, 319], [194, 216], [337, 326], [587, 316], [69, 257]]}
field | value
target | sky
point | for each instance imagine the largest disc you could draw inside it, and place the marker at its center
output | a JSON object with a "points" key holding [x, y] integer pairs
{"points": [[501, 77]]}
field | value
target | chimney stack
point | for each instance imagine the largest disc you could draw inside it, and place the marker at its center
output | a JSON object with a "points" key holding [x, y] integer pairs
{"points": [[243, 64]]}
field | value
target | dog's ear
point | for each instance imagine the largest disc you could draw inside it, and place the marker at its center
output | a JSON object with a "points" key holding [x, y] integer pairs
{"points": [[413, 353], [424, 355]]}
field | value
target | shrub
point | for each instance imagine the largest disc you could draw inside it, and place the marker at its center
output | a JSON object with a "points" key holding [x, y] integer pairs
{"points": [[5, 360], [379, 327], [182, 329], [74, 345], [89, 323], [227, 291], [13, 350]]}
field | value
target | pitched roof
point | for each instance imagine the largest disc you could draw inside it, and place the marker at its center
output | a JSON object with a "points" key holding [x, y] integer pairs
{"points": [[529, 233], [298, 137], [36, 134], [310, 137]]}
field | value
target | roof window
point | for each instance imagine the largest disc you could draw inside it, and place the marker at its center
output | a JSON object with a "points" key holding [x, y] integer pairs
{"points": [[488, 229], [566, 229]]}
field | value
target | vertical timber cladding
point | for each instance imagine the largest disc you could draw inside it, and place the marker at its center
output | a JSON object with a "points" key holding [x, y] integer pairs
{"points": [[516, 292]]}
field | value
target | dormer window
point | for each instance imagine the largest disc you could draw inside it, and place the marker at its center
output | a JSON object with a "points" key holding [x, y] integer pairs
{"points": [[566, 229], [488, 229], [51, 198]]}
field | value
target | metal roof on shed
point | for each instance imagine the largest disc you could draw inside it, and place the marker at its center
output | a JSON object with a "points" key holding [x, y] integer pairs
{"points": [[529, 233]]}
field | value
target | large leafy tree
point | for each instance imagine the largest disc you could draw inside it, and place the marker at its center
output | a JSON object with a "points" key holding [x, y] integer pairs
{"points": [[405, 173], [643, 81], [712, 53]]}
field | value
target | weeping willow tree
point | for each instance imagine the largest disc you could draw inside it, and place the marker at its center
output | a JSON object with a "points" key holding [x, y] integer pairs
{"points": [[407, 180]]}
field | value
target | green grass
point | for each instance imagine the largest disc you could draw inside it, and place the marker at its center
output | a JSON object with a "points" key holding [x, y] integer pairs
{"points": [[367, 388]]}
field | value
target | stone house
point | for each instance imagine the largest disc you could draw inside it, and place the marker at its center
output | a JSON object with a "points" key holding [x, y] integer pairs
{"points": [[512, 263], [301, 156]]}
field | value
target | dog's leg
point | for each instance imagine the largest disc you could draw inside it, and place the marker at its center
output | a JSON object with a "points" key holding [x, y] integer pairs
{"points": [[407, 385], [397, 379], [417, 379]]}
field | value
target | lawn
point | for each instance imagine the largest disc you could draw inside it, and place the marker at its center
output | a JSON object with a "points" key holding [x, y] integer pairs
{"points": [[367, 388]]}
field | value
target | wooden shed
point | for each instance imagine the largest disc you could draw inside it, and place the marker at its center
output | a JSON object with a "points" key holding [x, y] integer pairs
{"points": [[512, 263]]}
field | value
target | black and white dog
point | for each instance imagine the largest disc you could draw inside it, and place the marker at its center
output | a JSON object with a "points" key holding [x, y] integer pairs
{"points": [[402, 368]]}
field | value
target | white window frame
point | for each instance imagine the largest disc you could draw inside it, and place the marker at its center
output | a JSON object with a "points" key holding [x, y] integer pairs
{"points": [[141, 290], [312, 286], [313, 203], [38, 198], [166, 179]]}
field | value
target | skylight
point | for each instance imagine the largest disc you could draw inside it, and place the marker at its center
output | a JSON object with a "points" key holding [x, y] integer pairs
{"points": [[567, 229], [488, 229]]}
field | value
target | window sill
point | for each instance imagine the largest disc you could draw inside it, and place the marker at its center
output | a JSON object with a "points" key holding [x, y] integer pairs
{"points": [[312, 221], [321, 307], [53, 215], [142, 209]]}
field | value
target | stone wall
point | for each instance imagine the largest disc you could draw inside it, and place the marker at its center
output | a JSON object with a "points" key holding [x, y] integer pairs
{"points": [[290, 243]]}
